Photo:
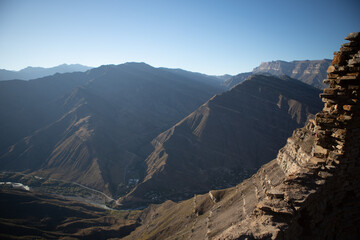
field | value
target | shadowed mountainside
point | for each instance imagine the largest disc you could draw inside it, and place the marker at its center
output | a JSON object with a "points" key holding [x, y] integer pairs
{"points": [[94, 128], [225, 140]]}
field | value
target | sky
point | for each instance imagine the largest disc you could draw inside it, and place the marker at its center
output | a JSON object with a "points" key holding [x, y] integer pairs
{"points": [[213, 37]]}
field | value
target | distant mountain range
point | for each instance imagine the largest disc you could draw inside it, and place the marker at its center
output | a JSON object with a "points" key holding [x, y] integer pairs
{"points": [[310, 72], [38, 72]]}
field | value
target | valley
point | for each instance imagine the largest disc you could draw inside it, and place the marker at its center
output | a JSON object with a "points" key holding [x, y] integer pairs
{"points": [[32, 215], [179, 120], [96, 128], [121, 160], [117, 152], [73, 190], [116, 142]]}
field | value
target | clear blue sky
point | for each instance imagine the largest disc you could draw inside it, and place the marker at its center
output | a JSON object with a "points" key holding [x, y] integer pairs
{"points": [[212, 37]]}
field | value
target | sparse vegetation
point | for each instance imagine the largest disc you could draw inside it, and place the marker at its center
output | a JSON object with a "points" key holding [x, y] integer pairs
{"points": [[53, 186]]}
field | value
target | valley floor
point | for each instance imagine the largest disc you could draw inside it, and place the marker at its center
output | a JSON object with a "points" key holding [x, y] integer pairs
{"points": [[29, 215]]}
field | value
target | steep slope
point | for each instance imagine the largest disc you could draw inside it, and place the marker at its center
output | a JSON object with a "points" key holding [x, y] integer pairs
{"points": [[310, 191], [214, 215], [226, 139], [100, 132], [65, 148], [310, 72], [38, 72], [26, 106], [206, 215]]}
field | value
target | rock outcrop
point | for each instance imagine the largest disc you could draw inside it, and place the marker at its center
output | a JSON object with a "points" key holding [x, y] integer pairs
{"points": [[310, 191]]}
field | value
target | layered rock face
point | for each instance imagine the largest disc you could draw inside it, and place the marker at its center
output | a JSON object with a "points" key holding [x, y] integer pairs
{"points": [[310, 72], [310, 191]]}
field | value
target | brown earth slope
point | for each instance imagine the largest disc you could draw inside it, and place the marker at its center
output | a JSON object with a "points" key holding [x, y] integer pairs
{"points": [[226, 140]]}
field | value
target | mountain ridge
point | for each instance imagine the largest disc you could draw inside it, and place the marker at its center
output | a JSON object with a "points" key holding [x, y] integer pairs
{"points": [[311, 72], [194, 153], [97, 124], [38, 72]]}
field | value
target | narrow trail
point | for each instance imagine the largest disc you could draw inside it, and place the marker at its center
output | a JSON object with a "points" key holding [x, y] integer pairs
{"points": [[208, 225], [194, 211], [244, 203], [256, 193]]}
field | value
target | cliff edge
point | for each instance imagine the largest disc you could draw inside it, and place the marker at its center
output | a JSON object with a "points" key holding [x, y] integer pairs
{"points": [[319, 197], [310, 191]]}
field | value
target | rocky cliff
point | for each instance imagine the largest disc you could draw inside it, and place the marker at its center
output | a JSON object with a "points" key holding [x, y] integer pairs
{"points": [[310, 72], [319, 196], [310, 191]]}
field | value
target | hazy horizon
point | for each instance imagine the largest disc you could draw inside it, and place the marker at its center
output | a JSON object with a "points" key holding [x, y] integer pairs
{"points": [[211, 37]]}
